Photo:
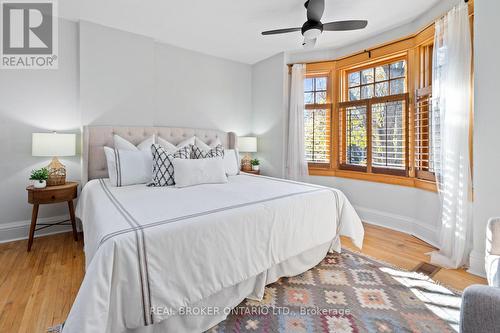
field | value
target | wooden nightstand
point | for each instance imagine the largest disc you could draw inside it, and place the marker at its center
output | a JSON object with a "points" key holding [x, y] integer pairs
{"points": [[252, 172], [49, 195]]}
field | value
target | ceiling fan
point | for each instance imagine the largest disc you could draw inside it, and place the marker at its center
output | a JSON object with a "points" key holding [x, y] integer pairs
{"points": [[313, 26]]}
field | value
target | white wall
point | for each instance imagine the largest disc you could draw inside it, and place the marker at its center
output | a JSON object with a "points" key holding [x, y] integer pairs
{"points": [[402, 208], [196, 90], [31, 101], [131, 79], [116, 77], [109, 77], [269, 83], [486, 124]]}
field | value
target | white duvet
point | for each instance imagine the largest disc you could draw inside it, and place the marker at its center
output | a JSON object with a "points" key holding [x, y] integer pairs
{"points": [[171, 247]]}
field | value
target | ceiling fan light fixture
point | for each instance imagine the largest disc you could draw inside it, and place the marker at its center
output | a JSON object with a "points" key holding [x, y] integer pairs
{"points": [[312, 33], [313, 27]]}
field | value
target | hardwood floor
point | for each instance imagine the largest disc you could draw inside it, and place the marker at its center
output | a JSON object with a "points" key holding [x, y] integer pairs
{"points": [[408, 252], [38, 288]]}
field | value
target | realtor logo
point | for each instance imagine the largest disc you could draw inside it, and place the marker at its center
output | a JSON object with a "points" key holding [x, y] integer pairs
{"points": [[29, 34]]}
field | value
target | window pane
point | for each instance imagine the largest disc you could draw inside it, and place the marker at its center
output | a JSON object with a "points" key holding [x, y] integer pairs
{"points": [[321, 97], [367, 76], [316, 135], [388, 135], [382, 73], [397, 86], [367, 91], [308, 98], [354, 94], [354, 79], [381, 89], [355, 145], [320, 83], [398, 69], [308, 85]]}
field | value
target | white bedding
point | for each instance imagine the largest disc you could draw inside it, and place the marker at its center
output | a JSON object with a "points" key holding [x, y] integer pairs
{"points": [[172, 247]]}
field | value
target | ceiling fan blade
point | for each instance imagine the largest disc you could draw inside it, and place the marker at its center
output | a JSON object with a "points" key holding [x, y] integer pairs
{"points": [[315, 9], [345, 25], [309, 43], [280, 31]]}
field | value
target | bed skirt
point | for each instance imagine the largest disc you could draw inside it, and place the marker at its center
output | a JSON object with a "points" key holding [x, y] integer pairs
{"points": [[252, 288]]}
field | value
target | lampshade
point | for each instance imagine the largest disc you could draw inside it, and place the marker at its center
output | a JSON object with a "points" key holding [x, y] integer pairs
{"points": [[53, 144], [247, 144]]}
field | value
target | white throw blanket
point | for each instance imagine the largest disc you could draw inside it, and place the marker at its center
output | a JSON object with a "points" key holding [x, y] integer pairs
{"points": [[169, 247]]}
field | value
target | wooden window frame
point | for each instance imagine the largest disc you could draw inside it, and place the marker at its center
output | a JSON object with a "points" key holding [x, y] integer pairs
{"points": [[405, 49], [368, 103], [383, 62]]}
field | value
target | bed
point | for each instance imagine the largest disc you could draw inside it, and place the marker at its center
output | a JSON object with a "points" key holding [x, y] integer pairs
{"points": [[178, 259]]}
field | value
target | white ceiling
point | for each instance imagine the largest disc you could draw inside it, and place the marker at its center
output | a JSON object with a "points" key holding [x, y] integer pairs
{"points": [[231, 28]]}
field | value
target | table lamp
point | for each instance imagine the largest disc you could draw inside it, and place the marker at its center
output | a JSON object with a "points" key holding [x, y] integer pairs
{"points": [[247, 144], [54, 145]]}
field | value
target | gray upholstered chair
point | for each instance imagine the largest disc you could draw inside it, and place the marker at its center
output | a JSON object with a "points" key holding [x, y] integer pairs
{"points": [[481, 304]]}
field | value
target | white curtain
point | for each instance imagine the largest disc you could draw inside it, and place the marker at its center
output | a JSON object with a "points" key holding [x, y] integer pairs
{"points": [[296, 164], [451, 111]]}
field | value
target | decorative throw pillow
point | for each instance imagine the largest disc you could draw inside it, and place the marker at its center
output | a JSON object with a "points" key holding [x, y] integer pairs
{"points": [[128, 167], [163, 169], [206, 146], [171, 148], [201, 171], [217, 151], [129, 164]]}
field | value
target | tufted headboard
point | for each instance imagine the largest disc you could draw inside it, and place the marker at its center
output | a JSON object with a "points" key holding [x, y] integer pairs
{"points": [[96, 137]]}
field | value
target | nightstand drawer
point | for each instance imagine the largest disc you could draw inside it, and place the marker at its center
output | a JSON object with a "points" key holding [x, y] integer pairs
{"points": [[47, 196]]}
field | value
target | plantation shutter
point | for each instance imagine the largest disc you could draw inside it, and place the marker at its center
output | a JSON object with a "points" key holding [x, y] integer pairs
{"points": [[426, 135]]}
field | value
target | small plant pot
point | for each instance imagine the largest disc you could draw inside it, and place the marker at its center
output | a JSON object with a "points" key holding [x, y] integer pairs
{"points": [[40, 184], [255, 167]]}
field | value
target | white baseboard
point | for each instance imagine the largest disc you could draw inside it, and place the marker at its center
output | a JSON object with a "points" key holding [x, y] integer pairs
{"points": [[476, 263], [406, 224], [419, 229], [20, 230]]}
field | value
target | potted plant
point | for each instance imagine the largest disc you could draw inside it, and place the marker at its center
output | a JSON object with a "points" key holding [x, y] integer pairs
{"points": [[40, 177], [255, 164]]}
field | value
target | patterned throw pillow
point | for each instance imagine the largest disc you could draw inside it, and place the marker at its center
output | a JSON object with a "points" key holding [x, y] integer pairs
{"points": [[217, 151], [163, 169]]}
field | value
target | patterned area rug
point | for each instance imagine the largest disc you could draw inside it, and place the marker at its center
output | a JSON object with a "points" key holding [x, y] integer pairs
{"points": [[349, 292]]}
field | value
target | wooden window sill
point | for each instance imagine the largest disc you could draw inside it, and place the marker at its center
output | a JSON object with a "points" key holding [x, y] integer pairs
{"points": [[374, 177]]}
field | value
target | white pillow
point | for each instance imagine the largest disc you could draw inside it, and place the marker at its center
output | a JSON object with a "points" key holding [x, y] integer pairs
{"points": [[128, 167], [171, 148], [232, 162], [201, 171], [122, 144], [204, 146]]}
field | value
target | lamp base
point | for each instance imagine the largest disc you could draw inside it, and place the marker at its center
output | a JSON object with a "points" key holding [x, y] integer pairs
{"points": [[245, 163], [57, 173]]}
